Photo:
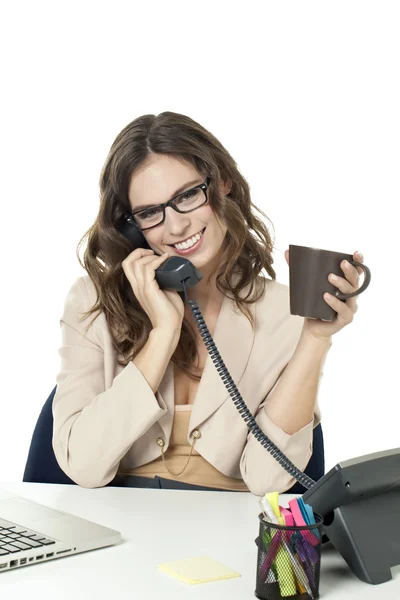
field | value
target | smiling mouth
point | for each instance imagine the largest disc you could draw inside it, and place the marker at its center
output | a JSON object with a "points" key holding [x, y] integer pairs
{"points": [[201, 232]]}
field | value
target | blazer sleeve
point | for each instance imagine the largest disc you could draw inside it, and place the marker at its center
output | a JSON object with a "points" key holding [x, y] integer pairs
{"points": [[93, 428], [260, 471]]}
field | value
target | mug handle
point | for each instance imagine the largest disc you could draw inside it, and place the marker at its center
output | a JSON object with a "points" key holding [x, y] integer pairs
{"points": [[366, 282]]}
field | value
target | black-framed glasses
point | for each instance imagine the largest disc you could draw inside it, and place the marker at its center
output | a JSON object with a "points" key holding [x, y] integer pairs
{"points": [[185, 202]]}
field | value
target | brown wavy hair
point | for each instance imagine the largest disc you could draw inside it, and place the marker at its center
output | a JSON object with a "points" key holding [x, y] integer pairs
{"points": [[246, 250]]}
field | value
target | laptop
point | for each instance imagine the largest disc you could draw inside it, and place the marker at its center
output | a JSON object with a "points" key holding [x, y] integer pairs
{"points": [[32, 533]]}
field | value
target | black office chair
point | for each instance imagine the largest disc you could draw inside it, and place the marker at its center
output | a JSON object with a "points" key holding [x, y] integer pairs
{"points": [[42, 465]]}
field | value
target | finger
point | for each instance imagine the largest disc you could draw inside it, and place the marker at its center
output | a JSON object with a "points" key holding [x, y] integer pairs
{"points": [[153, 261], [149, 281], [344, 313], [357, 256], [142, 260], [138, 268], [145, 260], [342, 284], [137, 253], [351, 273]]}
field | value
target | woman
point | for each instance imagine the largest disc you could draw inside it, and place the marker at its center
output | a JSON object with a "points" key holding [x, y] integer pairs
{"points": [[138, 400]]}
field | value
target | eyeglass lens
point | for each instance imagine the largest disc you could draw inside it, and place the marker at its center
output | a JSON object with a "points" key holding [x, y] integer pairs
{"points": [[186, 202]]}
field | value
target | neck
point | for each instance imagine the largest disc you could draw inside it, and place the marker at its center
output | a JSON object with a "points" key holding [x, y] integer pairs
{"points": [[206, 294], [208, 297]]}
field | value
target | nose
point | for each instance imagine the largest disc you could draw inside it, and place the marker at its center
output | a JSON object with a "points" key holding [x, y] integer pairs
{"points": [[175, 222]]}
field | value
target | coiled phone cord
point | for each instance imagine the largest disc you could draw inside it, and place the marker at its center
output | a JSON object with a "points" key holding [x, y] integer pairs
{"points": [[238, 401]]}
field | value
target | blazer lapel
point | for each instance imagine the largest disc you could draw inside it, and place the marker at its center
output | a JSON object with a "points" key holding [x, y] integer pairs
{"points": [[166, 390], [234, 339]]}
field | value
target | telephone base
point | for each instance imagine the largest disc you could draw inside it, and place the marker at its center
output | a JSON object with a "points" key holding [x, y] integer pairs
{"points": [[366, 533]]}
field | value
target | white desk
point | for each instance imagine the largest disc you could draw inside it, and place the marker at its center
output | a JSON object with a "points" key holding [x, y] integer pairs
{"points": [[159, 526]]}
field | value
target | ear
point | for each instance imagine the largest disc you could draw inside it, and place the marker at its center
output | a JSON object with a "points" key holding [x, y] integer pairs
{"points": [[225, 187], [287, 256]]}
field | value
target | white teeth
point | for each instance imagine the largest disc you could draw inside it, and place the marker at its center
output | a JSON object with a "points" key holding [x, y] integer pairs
{"points": [[189, 243]]}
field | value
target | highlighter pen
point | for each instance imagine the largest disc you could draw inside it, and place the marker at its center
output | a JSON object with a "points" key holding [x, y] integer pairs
{"points": [[308, 515], [297, 567], [287, 585], [299, 520], [288, 517], [267, 541], [271, 554], [299, 545], [266, 537], [311, 552]]}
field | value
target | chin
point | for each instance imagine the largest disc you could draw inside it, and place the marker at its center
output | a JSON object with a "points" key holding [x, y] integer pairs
{"points": [[204, 263]]}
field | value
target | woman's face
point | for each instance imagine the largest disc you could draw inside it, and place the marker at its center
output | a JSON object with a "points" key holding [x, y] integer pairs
{"points": [[157, 181]]}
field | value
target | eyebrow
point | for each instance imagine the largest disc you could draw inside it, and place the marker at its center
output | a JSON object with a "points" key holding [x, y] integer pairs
{"points": [[184, 187]]}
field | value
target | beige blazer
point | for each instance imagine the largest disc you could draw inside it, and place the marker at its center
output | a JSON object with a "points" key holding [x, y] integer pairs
{"points": [[106, 417]]}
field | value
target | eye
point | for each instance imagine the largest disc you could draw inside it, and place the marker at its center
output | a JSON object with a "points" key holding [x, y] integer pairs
{"points": [[189, 194], [147, 214]]}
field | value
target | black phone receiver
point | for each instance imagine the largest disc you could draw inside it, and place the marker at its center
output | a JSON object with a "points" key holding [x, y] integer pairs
{"points": [[132, 233], [174, 272]]}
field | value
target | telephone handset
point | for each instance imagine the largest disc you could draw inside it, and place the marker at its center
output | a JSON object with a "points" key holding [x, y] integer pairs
{"points": [[179, 274], [173, 272]]}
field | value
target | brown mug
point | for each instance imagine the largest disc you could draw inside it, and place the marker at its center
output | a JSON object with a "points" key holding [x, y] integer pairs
{"points": [[309, 269]]}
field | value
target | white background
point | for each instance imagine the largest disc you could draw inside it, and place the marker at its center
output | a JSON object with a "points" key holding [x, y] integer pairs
{"points": [[304, 95]]}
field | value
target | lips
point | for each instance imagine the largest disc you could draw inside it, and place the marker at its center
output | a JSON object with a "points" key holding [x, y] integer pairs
{"points": [[193, 248], [201, 231]]}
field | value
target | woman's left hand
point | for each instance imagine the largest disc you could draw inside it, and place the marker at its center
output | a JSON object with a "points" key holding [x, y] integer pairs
{"points": [[345, 309]]}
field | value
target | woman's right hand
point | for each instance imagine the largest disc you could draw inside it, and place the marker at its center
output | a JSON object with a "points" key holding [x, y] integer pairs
{"points": [[165, 308]]}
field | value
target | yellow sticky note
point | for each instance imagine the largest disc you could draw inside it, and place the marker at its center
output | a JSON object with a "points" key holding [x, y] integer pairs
{"points": [[197, 570]]}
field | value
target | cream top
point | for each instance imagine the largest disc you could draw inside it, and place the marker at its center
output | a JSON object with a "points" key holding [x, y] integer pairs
{"points": [[198, 472]]}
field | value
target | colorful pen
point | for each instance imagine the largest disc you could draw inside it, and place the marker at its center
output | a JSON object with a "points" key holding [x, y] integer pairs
{"points": [[290, 588]]}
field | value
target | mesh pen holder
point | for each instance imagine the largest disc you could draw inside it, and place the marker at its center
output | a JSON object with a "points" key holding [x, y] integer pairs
{"points": [[288, 560]]}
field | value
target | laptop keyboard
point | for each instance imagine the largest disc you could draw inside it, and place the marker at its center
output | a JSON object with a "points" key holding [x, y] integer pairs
{"points": [[17, 539]]}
